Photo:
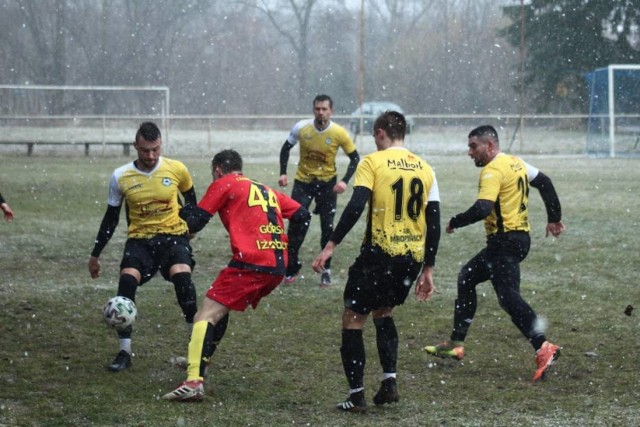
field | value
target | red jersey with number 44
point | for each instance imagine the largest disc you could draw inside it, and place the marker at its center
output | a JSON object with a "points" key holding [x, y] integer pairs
{"points": [[253, 214]]}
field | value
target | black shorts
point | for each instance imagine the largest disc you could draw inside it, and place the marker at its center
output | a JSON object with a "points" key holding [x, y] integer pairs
{"points": [[377, 280], [158, 253], [321, 191]]}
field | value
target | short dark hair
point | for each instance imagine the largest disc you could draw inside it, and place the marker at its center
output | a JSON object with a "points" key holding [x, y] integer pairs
{"points": [[393, 123], [322, 98], [149, 131], [485, 132], [227, 160]]}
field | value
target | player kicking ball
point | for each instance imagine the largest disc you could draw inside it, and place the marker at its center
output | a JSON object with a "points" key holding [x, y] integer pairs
{"points": [[253, 214]]}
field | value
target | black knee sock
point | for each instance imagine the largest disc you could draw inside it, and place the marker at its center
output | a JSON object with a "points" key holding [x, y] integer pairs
{"points": [[353, 357], [387, 342], [127, 286], [214, 336], [186, 294]]}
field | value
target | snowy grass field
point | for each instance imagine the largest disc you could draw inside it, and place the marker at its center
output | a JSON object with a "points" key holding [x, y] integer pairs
{"points": [[280, 364]]}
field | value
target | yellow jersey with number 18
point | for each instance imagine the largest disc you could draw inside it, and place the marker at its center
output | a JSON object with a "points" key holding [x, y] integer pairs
{"points": [[401, 184], [505, 182], [151, 197]]}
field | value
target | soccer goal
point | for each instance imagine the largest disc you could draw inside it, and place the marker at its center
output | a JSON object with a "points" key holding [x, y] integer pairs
{"points": [[613, 129], [63, 115], [65, 100]]}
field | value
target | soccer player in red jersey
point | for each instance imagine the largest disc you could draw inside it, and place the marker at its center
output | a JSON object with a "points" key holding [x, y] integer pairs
{"points": [[253, 214]]}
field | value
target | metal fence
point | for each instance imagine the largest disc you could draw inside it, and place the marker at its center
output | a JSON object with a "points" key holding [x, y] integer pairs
{"points": [[260, 137]]}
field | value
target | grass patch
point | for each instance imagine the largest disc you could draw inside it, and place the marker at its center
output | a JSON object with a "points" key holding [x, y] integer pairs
{"points": [[280, 364]]}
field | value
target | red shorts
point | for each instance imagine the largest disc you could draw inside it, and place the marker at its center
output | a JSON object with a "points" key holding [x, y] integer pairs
{"points": [[236, 289]]}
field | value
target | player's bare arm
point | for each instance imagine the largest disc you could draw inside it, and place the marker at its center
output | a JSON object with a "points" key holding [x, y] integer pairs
{"points": [[321, 259], [340, 187], [94, 267], [555, 229], [424, 284]]}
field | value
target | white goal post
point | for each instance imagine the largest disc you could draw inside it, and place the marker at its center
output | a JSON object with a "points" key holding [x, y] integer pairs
{"points": [[163, 114], [614, 110]]}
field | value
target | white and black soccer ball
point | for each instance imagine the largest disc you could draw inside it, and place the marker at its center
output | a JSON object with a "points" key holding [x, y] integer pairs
{"points": [[119, 312]]}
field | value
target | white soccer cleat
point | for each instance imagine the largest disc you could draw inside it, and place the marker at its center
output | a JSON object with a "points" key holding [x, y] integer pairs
{"points": [[188, 391]]}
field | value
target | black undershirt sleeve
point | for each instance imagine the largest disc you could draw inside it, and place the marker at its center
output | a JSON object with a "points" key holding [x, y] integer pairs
{"points": [[478, 211], [298, 225], [2, 199], [433, 233], [190, 197], [353, 164], [351, 213], [549, 196], [284, 157], [107, 227], [195, 217]]}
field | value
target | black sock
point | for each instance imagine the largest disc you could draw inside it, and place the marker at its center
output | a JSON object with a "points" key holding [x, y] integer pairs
{"points": [[186, 294], [537, 342], [353, 357], [127, 286], [214, 335], [387, 341]]}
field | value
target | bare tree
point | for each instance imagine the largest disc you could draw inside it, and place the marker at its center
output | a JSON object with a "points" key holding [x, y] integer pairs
{"points": [[292, 20], [255, 56]]}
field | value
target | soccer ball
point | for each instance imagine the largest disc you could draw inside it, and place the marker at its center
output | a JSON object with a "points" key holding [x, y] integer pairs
{"points": [[119, 312]]}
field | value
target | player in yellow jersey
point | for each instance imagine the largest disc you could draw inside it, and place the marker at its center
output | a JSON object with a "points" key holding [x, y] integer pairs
{"points": [[400, 245], [502, 202], [316, 178], [150, 187]]}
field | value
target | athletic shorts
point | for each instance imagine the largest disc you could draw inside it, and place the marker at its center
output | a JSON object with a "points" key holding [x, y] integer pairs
{"points": [[321, 191], [237, 288], [158, 253], [377, 280]]}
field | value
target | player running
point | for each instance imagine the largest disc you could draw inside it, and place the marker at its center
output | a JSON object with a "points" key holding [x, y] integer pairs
{"points": [[502, 202]]}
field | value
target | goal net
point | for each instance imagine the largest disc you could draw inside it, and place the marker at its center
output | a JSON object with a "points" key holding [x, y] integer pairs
{"points": [[613, 128], [54, 100], [63, 115]]}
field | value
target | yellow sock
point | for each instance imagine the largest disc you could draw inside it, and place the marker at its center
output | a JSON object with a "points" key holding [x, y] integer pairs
{"points": [[196, 344]]}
